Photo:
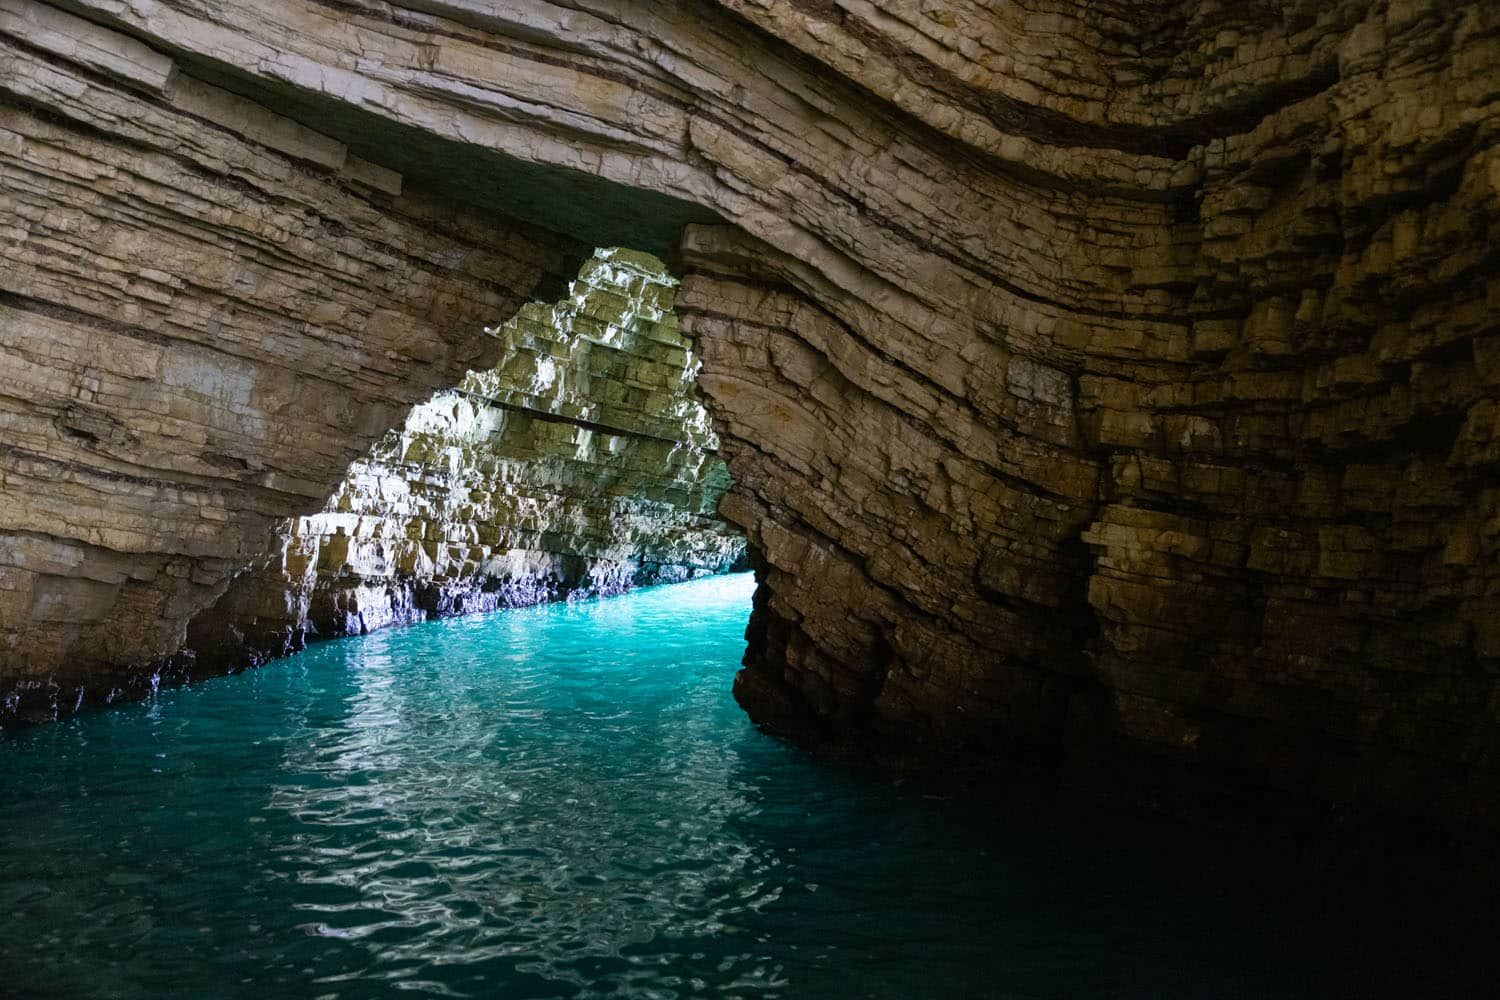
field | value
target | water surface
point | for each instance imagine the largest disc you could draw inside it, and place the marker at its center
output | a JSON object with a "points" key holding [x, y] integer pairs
{"points": [[566, 802]]}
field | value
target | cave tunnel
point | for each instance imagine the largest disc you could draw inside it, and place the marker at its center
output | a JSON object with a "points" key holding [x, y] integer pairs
{"points": [[1104, 396]]}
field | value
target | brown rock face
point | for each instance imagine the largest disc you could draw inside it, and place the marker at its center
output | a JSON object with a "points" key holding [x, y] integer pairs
{"points": [[1109, 386]]}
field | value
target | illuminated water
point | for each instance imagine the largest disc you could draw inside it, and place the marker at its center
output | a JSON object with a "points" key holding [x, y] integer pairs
{"points": [[566, 802]]}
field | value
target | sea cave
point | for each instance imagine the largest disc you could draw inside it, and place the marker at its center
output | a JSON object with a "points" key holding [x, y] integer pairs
{"points": [[786, 498]]}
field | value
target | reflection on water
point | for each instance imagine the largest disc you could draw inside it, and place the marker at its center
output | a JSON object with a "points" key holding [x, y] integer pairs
{"points": [[565, 801]]}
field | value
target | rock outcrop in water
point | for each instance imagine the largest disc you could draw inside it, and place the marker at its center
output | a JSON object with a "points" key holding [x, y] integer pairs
{"points": [[1110, 387], [581, 465]]}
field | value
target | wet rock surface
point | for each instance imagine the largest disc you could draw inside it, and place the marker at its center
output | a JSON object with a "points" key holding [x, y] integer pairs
{"points": [[1107, 389]]}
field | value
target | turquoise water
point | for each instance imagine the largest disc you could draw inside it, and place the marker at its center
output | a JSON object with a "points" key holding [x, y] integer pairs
{"points": [[566, 802]]}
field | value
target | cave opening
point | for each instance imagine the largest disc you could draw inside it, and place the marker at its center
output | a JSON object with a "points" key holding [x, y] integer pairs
{"points": [[580, 463]]}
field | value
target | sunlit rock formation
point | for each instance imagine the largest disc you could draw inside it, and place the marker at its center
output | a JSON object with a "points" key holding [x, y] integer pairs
{"points": [[1106, 387], [581, 465]]}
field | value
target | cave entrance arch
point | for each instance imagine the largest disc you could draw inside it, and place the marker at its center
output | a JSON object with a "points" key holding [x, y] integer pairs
{"points": [[305, 267], [333, 202]]}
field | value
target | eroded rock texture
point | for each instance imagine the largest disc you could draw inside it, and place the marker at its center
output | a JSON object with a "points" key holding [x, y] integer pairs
{"points": [[1110, 386], [582, 464]]}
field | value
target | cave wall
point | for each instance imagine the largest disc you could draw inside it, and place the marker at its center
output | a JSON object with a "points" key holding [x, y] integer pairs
{"points": [[207, 312], [1109, 388], [581, 464]]}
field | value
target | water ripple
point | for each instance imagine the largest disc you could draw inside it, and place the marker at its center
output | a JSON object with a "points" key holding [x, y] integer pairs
{"points": [[564, 802]]}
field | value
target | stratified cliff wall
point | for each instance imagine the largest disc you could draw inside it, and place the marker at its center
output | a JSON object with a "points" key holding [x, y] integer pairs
{"points": [[1105, 387], [582, 464]]}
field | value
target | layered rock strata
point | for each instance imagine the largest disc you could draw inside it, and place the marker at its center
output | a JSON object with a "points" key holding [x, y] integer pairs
{"points": [[206, 312], [582, 464], [1109, 387]]}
